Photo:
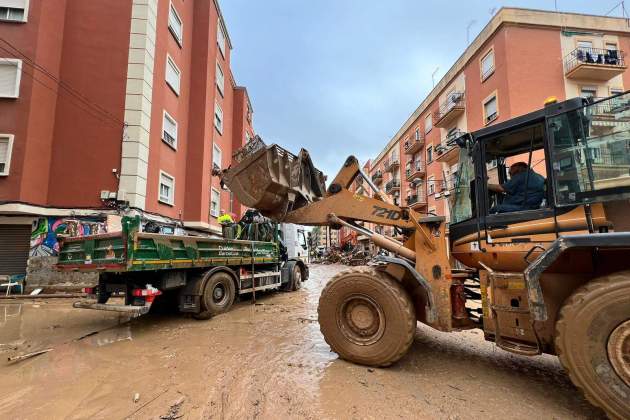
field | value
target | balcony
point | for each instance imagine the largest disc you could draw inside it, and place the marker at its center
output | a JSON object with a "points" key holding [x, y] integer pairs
{"points": [[392, 164], [392, 186], [594, 64], [413, 145], [415, 170], [453, 107], [448, 150], [377, 178], [416, 201]]}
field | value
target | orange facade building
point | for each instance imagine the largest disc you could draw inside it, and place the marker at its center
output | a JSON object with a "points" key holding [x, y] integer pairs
{"points": [[107, 104]]}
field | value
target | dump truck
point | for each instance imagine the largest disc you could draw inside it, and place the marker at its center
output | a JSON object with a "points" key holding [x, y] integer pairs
{"points": [[551, 276], [200, 275]]}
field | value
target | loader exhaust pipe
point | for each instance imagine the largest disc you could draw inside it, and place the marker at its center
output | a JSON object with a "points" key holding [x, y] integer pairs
{"points": [[389, 244]]}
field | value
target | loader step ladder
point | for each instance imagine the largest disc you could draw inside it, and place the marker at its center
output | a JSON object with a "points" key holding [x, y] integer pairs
{"points": [[515, 282]]}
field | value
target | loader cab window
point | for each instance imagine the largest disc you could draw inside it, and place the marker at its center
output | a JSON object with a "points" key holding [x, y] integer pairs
{"points": [[463, 201], [590, 152], [515, 167]]}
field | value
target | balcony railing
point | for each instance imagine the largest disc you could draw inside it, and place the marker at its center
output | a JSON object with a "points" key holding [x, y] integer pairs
{"points": [[377, 178], [413, 145], [416, 200], [391, 164], [594, 63], [414, 169], [448, 147], [450, 109], [393, 185]]}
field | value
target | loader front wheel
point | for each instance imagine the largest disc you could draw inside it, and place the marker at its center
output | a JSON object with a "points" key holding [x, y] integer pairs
{"points": [[593, 342], [367, 317]]}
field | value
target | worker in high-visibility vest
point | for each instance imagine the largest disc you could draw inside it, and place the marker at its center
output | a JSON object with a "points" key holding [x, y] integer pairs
{"points": [[225, 219]]}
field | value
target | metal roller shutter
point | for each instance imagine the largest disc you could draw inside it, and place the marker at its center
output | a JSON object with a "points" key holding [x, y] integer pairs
{"points": [[15, 243]]}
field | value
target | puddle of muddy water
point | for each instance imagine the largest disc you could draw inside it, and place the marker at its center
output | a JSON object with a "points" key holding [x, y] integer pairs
{"points": [[10, 324], [109, 336]]}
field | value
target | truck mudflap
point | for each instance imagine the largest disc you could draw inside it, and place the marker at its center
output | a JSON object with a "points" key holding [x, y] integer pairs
{"points": [[127, 309]]}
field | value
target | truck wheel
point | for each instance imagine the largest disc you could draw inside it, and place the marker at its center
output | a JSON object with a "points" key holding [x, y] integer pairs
{"points": [[593, 342], [367, 317], [218, 296]]}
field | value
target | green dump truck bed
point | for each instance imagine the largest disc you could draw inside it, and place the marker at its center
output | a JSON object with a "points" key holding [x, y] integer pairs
{"points": [[131, 250]]}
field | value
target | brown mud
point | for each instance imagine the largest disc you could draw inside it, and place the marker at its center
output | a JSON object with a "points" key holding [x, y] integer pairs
{"points": [[267, 360]]}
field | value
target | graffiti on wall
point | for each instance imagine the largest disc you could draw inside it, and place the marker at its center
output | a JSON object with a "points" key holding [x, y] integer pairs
{"points": [[46, 229]]}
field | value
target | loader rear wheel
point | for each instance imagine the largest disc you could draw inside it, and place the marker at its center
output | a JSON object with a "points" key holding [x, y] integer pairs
{"points": [[218, 296], [593, 342], [367, 317]]}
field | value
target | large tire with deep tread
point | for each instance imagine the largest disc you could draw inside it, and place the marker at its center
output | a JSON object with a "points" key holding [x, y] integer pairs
{"points": [[218, 295], [367, 317], [584, 331]]}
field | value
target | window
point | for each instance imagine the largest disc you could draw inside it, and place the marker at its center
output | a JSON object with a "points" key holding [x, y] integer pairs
{"points": [[215, 203], [10, 75], [611, 46], [169, 130], [431, 185], [247, 137], [428, 123], [175, 25], [588, 92], [429, 154], [490, 111], [221, 37], [14, 10], [585, 46], [217, 157], [172, 74], [220, 79], [167, 189], [487, 65], [6, 145], [417, 133], [218, 118]]}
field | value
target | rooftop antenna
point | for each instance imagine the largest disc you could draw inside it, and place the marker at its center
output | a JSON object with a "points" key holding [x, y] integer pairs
{"points": [[433, 75], [470, 24], [555, 5]]}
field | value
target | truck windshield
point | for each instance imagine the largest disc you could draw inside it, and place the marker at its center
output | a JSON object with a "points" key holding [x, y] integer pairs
{"points": [[461, 203], [590, 152]]}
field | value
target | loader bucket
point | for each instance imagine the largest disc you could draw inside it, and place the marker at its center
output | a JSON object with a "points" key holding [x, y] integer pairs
{"points": [[272, 180]]}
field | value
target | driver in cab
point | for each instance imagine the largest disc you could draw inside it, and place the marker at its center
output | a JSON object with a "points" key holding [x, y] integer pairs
{"points": [[517, 196]]}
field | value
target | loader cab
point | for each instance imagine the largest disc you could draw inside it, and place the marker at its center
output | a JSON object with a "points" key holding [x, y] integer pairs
{"points": [[581, 148]]}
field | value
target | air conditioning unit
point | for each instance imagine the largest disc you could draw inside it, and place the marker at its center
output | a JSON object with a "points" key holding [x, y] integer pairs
{"points": [[438, 195], [104, 195], [447, 193]]}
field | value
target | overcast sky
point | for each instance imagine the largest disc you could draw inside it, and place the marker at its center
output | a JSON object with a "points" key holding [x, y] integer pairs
{"points": [[340, 77]]}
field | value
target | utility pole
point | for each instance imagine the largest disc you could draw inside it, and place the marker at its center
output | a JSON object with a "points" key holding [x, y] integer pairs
{"points": [[433, 75]]}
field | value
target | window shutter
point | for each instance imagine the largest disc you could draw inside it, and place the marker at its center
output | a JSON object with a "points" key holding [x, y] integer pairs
{"points": [[4, 155], [8, 79], [172, 75]]}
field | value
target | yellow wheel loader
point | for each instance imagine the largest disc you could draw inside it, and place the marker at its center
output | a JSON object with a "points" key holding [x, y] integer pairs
{"points": [[551, 275]]}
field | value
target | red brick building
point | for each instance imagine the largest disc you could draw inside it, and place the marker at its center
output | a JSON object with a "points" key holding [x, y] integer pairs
{"points": [[517, 61], [113, 103]]}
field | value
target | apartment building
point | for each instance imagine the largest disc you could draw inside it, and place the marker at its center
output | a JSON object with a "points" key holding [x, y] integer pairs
{"points": [[107, 104], [518, 60]]}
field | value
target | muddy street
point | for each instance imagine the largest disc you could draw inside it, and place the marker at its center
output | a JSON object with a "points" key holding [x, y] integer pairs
{"points": [[267, 360]]}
